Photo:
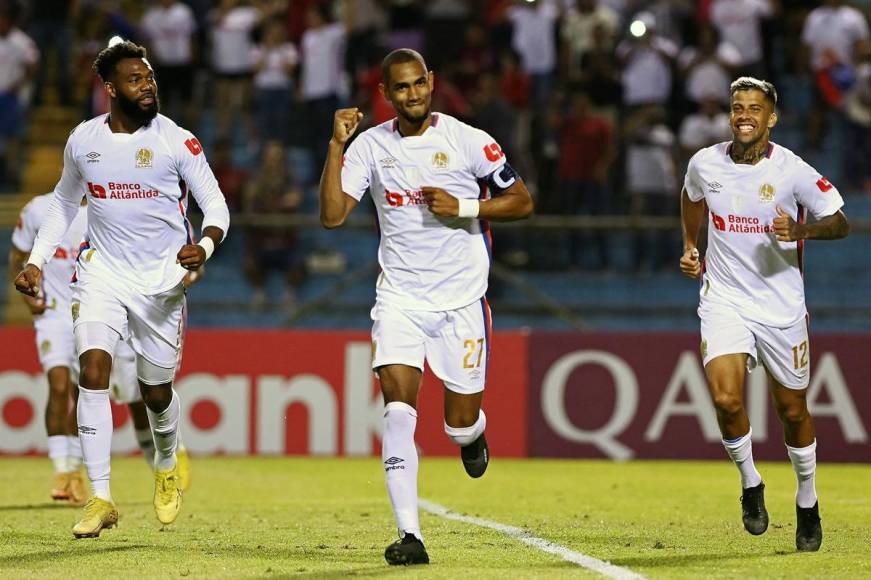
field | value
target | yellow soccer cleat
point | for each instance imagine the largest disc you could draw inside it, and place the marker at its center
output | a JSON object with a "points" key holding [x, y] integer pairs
{"points": [[78, 493], [167, 495], [183, 462], [99, 514], [60, 487]]}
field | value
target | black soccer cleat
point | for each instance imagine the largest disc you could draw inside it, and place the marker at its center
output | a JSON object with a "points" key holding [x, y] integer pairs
{"points": [[753, 510], [808, 531], [406, 551], [476, 456]]}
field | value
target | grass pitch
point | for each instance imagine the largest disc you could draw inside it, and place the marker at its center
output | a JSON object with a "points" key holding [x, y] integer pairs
{"points": [[257, 517]]}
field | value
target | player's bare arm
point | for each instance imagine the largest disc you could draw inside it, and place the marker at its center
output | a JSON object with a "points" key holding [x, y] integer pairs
{"points": [[833, 227], [515, 203], [691, 215], [193, 256], [336, 205], [17, 260]]}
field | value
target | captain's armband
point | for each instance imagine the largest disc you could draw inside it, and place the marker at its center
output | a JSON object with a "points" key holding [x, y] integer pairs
{"points": [[502, 179]]}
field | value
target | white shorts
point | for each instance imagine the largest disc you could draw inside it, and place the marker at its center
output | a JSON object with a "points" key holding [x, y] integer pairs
{"points": [[152, 323], [55, 342], [455, 343], [123, 383], [784, 352]]}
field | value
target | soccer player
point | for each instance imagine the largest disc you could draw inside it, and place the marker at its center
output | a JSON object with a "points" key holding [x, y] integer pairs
{"points": [[752, 305], [137, 167], [431, 178], [54, 341]]}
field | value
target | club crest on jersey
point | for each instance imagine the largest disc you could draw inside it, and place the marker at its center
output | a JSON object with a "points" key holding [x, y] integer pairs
{"points": [[144, 158], [440, 160], [45, 347], [76, 306], [766, 193]]}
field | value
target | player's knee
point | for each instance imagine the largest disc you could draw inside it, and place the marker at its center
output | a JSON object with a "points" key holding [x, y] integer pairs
{"points": [[795, 413], [728, 404], [466, 435]]}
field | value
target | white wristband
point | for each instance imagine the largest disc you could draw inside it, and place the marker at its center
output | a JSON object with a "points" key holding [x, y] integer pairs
{"points": [[469, 208], [35, 260], [208, 245]]}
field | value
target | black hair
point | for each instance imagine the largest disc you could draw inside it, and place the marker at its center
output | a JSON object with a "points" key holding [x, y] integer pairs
{"points": [[751, 83], [399, 56], [109, 57]]}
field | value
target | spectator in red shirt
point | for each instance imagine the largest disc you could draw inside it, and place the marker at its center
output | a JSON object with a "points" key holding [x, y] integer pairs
{"points": [[586, 153]]}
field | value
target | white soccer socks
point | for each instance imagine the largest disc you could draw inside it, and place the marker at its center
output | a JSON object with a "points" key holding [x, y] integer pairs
{"points": [[94, 415], [463, 436], [145, 440], [741, 452], [74, 452], [164, 426], [400, 465], [58, 452], [804, 462]]}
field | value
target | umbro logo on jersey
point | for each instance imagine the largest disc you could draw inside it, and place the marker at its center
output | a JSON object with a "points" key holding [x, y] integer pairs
{"points": [[388, 162], [93, 157], [714, 187]]}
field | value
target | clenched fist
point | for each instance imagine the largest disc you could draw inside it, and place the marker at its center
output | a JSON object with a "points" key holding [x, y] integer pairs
{"points": [[191, 256], [345, 124], [690, 264], [29, 280], [786, 229], [440, 202]]}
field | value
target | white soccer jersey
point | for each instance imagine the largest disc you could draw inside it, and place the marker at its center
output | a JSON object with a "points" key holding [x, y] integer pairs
{"points": [[427, 262], [137, 186], [745, 266], [56, 274]]}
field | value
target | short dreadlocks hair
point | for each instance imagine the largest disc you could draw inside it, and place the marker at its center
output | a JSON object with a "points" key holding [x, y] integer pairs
{"points": [[751, 83], [109, 57]]}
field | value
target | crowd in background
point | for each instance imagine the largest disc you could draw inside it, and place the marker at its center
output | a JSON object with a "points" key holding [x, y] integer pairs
{"points": [[597, 103]]}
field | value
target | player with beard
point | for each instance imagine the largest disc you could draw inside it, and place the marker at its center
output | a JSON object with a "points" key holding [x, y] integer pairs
{"points": [[751, 305], [431, 178], [137, 168]]}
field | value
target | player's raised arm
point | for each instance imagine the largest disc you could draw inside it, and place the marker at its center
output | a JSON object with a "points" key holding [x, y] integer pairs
{"points": [[335, 203], [196, 173], [63, 208]]}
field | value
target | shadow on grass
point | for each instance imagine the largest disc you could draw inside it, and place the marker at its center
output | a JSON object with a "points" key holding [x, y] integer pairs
{"points": [[39, 506], [683, 559], [57, 556]]}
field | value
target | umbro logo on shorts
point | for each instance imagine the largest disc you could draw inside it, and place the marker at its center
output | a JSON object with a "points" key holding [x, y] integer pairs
{"points": [[85, 430]]}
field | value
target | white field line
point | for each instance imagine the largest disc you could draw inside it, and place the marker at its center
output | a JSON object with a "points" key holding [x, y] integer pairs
{"points": [[602, 567]]}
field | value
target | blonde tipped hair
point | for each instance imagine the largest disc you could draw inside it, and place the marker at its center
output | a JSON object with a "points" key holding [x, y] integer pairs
{"points": [[752, 83]]}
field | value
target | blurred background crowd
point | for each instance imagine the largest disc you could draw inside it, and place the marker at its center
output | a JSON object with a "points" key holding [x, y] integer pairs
{"points": [[597, 103]]}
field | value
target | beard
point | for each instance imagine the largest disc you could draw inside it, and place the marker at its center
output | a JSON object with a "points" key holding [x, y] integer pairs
{"points": [[135, 111], [415, 119]]}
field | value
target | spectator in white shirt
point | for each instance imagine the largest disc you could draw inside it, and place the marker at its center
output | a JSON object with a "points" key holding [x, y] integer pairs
{"points": [[647, 61], [577, 36], [19, 58], [833, 35], [739, 23], [533, 37], [170, 27], [708, 68], [708, 126], [233, 23], [275, 60], [323, 54]]}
